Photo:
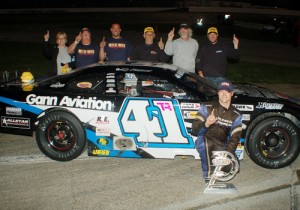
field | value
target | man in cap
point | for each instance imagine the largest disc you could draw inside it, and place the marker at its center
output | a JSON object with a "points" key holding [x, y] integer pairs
{"points": [[86, 52], [150, 51], [212, 57], [184, 49], [115, 48], [218, 126]]}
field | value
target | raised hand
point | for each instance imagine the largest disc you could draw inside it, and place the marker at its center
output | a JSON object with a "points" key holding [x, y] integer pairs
{"points": [[235, 42], [171, 34], [46, 36], [103, 43], [78, 37], [211, 119], [161, 44]]}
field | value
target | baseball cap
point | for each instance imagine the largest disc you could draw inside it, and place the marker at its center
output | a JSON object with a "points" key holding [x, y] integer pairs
{"points": [[148, 29], [85, 29], [226, 85], [184, 25], [212, 30]]}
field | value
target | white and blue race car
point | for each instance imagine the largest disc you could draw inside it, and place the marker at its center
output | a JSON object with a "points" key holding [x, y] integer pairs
{"points": [[142, 110]]}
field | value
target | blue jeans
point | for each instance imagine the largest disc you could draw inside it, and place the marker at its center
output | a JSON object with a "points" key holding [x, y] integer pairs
{"points": [[216, 80]]}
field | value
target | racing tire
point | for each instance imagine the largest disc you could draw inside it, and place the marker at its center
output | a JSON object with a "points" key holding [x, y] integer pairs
{"points": [[273, 142], [60, 136]]}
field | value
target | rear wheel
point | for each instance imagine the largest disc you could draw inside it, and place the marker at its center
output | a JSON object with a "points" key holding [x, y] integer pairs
{"points": [[273, 142], [60, 136]]}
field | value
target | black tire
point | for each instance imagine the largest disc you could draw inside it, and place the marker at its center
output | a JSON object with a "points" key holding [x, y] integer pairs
{"points": [[60, 136], [273, 142]]}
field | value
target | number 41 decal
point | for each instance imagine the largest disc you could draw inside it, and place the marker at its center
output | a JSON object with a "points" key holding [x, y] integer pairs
{"points": [[157, 122]]}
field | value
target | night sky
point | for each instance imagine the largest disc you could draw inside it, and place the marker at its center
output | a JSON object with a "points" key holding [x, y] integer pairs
{"points": [[20, 4]]}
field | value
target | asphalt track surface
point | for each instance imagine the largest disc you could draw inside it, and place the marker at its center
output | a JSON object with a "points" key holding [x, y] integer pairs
{"points": [[29, 180]]}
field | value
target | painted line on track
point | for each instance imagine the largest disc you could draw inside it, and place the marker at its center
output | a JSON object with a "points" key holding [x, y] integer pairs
{"points": [[36, 159]]}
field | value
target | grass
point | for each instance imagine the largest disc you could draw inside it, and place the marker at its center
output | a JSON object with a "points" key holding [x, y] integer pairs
{"points": [[22, 56], [263, 73]]}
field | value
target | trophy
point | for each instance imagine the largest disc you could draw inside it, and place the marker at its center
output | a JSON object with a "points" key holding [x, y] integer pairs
{"points": [[226, 166]]}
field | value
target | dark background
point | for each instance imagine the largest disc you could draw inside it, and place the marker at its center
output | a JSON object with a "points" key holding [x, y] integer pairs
{"points": [[19, 4]]}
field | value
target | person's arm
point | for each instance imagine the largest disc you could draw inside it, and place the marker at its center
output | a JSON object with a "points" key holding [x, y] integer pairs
{"points": [[46, 47], [199, 63], [169, 44], [129, 51], [233, 52], [235, 135], [102, 54], [72, 47], [235, 42], [162, 56]]}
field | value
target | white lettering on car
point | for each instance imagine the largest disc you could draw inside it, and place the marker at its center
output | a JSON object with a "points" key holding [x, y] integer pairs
{"points": [[78, 102], [265, 105], [153, 121], [33, 99]]}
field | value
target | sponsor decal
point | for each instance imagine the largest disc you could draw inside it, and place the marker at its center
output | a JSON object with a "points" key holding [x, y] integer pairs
{"points": [[133, 69], [100, 152], [102, 120], [110, 80], [122, 69], [84, 85], [244, 107], [78, 102], [102, 141], [110, 85], [246, 117], [195, 106], [189, 114], [265, 105], [15, 122], [110, 90], [102, 131], [13, 111], [57, 85]]}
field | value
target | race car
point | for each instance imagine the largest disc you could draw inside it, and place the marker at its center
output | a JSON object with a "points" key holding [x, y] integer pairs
{"points": [[141, 110]]}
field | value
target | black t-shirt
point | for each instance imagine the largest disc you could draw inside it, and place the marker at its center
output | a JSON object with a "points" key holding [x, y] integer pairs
{"points": [[86, 54]]}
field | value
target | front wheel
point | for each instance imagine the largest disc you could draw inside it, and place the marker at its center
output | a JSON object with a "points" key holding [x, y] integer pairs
{"points": [[60, 136], [273, 142]]}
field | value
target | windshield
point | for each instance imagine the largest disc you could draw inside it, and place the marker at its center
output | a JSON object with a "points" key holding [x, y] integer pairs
{"points": [[199, 84]]}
